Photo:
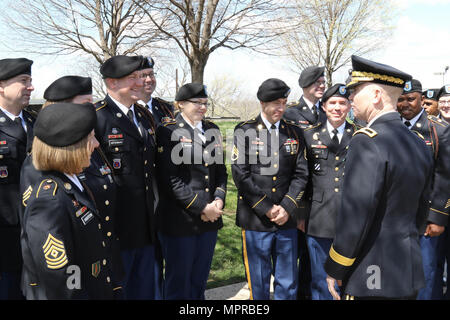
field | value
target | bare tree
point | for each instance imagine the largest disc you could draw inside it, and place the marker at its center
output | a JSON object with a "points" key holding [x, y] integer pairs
{"points": [[199, 27], [329, 31], [99, 28]]}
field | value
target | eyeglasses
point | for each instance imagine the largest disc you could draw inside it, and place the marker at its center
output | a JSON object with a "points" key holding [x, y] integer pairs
{"points": [[198, 103], [444, 103], [150, 75]]}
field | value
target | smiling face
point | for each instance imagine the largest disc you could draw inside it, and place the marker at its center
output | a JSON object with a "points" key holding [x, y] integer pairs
{"points": [[149, 83], [194, 109], [126, 90], [16, 92], [336, 109], [315, 91], [273, 111], [409, 105], [444, 107]]}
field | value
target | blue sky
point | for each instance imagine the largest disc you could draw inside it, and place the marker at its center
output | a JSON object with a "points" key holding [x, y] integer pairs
{"points": [[420, 46]]}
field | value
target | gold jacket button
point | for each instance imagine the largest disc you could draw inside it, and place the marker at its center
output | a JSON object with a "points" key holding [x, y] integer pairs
{"points": [[107, 218], [274, 190], [107, 202]]}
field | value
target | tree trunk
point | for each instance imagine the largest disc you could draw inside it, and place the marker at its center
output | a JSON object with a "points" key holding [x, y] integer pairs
{"points": [[198, 65]]}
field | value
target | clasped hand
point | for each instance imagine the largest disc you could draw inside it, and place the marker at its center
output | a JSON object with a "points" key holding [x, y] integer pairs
{"points": [[212, 211]]}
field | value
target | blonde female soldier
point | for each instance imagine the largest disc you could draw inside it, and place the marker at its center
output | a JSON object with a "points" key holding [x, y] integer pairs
{"points": [[63, 242]]}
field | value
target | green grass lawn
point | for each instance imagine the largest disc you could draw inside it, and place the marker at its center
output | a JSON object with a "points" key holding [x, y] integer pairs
{"points": [[227, 265]]}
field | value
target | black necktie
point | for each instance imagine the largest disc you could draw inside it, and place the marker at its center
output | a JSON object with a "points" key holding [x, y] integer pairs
{"points": [[408, 124], [18, 122], [130, 116], [335, 139]]}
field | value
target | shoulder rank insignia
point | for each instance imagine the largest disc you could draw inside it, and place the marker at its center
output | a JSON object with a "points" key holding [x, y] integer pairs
{"points": [[54, 252], [245, 122], [437, 120], [26, 195], [102, 105], [167, 120], [367, 131], [313, 126], [292, 104], [47, 184]]}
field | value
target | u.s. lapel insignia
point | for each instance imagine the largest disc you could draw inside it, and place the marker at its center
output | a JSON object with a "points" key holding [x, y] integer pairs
{"points": [[54, 253], [448, 204], [96, 269], [68, 186], [119, 115]]}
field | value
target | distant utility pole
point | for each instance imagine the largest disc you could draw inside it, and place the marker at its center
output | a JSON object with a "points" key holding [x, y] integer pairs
{"points": [[442, 74]]}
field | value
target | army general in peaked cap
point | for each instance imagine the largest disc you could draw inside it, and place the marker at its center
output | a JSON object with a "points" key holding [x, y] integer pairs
{"points": [[385, 194]]}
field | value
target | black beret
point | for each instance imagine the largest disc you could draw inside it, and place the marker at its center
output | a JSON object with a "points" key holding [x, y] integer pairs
{"points": [[364, 71], [273, 89], [445, 90], [310, 75], [64, 124], [191, 90], [120, 66], [68, 87], [9, 68], [412, 86], [338, 90], [431, 94], [147, 63]]}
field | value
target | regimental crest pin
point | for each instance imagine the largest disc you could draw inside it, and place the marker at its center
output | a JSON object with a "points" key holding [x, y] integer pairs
{"points": [[430, 94], [342, 90], [3, 172], [408, 86], [117, 163]]}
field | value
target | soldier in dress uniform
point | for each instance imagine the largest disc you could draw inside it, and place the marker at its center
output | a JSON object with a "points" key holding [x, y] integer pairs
{"points": [[192, 179], [444, 103], [431, 129], [430, 102], [126, 137], [16, 136], [63, 242], [308, 110], [440, 204], [385, 194], [162, 111], [326, 145], [270, 172], [97, 177], [305, 112]]}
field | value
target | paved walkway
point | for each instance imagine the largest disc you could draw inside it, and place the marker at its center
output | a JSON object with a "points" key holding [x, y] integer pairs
{"points": [[237, 291]]}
